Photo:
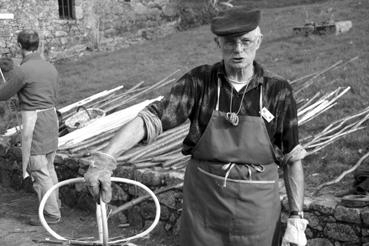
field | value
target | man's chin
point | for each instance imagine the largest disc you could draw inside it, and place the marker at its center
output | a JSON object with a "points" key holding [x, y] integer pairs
{"points": [[238, 65]]}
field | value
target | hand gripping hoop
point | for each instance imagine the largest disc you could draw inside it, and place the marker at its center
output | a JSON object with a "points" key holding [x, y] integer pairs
{"points": [[100, 214]]}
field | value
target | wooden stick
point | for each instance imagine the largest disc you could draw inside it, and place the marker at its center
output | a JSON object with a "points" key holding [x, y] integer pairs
{"points": [[332, 138], [329, 133], [168, 145], [316, 114], [112, 121], [303, 77], [331, 128], [184, 126], [121, 95], [340, 177], [322, 105], [2, 76], [146, 164], [176, 160], [310, 81], [308, 103], [96, 96], [163, 157], [145, 149], [180, 165], [133, 97], [347, 62], [162, 82], [335, 126], [90, 141], [325, 100], [311, 107], [143, 198]]}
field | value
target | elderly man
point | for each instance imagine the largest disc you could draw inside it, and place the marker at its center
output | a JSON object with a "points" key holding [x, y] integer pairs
{"points": [[35, 82], [243, 128]]}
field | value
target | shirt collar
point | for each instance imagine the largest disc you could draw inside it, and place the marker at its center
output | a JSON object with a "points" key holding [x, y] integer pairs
{"points": [[258, 78], [32, 56]]}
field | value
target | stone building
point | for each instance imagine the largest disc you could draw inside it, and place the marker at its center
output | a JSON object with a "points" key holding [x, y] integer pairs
{"points": [[70, 27]]}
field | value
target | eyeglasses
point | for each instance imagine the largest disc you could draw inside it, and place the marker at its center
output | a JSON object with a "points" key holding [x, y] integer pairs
{"points": [[245, 43]]}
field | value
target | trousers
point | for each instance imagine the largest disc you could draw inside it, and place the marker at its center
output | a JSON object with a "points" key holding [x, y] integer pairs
{"points": [[42, 170]]}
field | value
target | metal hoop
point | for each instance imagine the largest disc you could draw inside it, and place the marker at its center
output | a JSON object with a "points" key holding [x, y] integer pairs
{"points": [[102, 210]]}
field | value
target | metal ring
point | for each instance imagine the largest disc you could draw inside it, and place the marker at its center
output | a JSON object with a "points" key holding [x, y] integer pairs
{"points": [[103, 210]]}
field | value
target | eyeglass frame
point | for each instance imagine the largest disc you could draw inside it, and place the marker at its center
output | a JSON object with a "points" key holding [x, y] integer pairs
{"points": [[231, 44]]}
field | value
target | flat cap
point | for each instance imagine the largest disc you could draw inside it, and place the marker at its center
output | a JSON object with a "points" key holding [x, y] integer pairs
{"points": [[235, 21]]}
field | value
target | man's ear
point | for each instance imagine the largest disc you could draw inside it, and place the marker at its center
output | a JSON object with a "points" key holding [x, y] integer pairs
{"points": [[260, 39]]}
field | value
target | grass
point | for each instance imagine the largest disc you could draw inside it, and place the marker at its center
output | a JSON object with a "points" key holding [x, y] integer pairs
{"points": [[281, 52]]}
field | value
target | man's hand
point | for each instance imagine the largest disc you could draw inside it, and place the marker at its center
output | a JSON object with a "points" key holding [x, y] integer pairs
{"points": [[295, 232], [13, 104], [98, 175]]}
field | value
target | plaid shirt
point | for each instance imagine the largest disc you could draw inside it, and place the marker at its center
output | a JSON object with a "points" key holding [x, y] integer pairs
{"points": [[194, 97]]}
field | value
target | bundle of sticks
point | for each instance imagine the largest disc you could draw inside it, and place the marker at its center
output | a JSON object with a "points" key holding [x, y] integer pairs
{"points": [[165, 152], [336, 130], [116, 98], [302, 83], [316, 105], [102, 128]]}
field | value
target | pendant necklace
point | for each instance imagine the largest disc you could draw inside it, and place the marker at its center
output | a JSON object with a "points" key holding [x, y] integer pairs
{"points": [[232, 117]]}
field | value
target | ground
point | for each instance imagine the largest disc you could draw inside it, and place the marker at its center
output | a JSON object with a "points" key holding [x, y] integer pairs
{"points": [[18, 206]]}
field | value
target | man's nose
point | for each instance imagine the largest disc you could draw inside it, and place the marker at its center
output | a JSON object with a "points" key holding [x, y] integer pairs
{"points": [[237, 47]]}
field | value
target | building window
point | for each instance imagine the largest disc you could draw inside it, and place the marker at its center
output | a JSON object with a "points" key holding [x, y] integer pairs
{"points": [[66, 9]]}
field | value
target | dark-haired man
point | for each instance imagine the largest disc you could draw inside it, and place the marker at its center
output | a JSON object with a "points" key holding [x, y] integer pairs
{"points": [[243, 127], [35, 81]]}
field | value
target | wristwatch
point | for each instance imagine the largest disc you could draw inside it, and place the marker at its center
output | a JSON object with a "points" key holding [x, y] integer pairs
{"points": [[297, 213]]}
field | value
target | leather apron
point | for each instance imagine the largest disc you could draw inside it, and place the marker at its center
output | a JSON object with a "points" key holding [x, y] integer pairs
{"points": [[39, 134], [231, 194]]}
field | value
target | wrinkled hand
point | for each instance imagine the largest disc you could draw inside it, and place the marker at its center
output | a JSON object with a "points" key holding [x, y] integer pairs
{"points": [[98, 175], [13, 104], [295, 232]]}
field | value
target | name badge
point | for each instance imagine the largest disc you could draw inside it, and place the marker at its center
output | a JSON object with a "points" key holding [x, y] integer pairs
{"points": [[266, 114]]}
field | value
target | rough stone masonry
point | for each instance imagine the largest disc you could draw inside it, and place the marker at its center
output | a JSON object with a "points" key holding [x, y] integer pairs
{"points": [[69, 28]]}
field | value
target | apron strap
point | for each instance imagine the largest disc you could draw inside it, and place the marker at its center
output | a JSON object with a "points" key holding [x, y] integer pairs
{"points": [[218, 94], [261, 100]]}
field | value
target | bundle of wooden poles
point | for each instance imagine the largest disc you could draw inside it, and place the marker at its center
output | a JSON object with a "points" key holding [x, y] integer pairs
{"points": [[121, 106], [165, 151], [336, 130]]}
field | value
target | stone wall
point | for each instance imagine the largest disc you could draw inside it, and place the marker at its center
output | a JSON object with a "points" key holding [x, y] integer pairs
{"points": [[98, 24], [330, 223]]}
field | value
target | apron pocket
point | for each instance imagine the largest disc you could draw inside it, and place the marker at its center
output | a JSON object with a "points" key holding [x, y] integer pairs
{"points": [[243, 207], [258, 209]]}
